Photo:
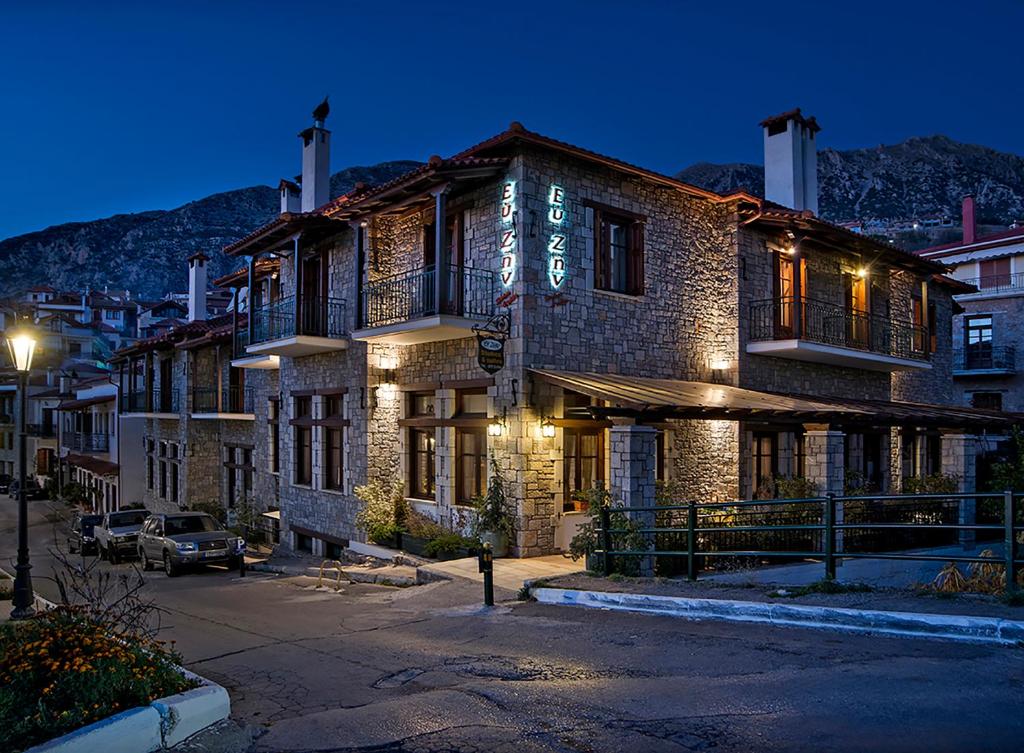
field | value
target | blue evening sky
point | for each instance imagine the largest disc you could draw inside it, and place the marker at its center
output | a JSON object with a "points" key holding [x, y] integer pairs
{"points": [[119, 107]]}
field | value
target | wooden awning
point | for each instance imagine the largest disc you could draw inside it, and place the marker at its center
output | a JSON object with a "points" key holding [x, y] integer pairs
{"points": [[93, 465], [647, 399]]}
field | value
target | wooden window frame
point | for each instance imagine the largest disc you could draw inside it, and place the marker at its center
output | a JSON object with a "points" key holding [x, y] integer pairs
{"points": [[422, 488], [635, 251], [574, 484], [302, 453], [479, 471]]}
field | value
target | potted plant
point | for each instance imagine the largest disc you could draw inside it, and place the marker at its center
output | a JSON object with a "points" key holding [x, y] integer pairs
{"points": [[495, 515]]}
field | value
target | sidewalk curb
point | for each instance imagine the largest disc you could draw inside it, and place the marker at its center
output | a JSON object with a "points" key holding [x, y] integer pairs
{"points": [[355, 574], [988, 630], [40, 603]]}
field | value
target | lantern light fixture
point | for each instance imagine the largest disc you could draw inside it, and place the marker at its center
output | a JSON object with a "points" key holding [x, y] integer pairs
{"points": [[21, 343], [497, 425], [547, 429]]}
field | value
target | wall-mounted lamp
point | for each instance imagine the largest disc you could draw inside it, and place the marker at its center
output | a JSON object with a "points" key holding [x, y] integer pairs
{"points": [[497, 425], [388, 364], [721, 364], [547, 429], [862, 272]]}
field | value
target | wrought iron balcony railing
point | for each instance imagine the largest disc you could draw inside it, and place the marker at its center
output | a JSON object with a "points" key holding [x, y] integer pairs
{"points": [[241, 343], [318, 317], [791, 318], [227, 400], [985, 357], [411, 295], [85, 441], [997, 283], [42, 431], [164, 401]]}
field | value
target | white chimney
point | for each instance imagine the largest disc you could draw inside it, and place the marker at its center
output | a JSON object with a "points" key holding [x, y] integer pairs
{"points": [[316, 161], [291, 196], [791, 160], [197, 286]]}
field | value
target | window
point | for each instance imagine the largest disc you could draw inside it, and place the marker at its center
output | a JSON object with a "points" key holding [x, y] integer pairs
{"points": [[421, 463], [994, 273], [333, 442], [303, 437], [917, 319], [150, 461], [163, 470], [987, 400], [933, 328], [471, 470], [421, 404], [584, 461], [472, 402], [618, 253], [799, 455], [238, 465], [764, 463], [274, 428]]}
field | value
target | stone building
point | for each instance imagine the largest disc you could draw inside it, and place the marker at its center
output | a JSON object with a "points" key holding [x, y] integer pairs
{"points": [[640, 329], [989, 323], [202, 424]]}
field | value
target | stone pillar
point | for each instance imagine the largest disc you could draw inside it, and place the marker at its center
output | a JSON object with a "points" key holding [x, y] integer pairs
{"points": [[634, 461], [825, 467], [958, 459]]}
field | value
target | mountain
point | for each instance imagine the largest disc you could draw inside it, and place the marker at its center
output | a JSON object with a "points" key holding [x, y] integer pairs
{"points": [[921, 176], [146, 252]]}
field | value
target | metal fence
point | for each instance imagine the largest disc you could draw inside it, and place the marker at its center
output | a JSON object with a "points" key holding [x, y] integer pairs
{"points": [[85, 441], [411, 295], [317, 317], [227, 400], [997, 283], [693, 536], [164, 401], [826, 323], [985, 358]]}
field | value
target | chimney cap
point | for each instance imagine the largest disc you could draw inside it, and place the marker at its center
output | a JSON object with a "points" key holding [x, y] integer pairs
{"points": [[810, 123], [290, 185], [435, 160], [198, 256]]}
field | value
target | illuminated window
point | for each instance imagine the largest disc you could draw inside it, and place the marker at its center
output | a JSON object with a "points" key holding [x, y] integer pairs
{"points": [[471, 471], [303, 437]]}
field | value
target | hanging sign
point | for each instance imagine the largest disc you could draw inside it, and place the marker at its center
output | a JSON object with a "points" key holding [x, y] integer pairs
{"points": [[508, 241], [490, 353], [558, 241]]}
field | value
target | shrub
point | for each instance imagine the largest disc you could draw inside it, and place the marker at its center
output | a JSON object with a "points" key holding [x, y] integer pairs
{"points": [[586, 541], [384, 510], [78, 494], [495, 513], [936, 483], [795, 488], [213, 508], [423, 527], [64, 669], [447, 545]]}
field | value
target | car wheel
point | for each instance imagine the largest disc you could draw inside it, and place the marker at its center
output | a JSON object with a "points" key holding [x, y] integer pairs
{"points": [[169, 567], [146, 564]]}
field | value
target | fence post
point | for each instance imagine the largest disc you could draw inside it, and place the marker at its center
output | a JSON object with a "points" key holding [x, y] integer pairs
{"points": [[606, 540], [830, 537], [1010, 541], [691, 540]]}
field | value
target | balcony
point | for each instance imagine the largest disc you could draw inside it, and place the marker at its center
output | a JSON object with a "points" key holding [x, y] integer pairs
{"points": [[165, 403], [318, 328], [229, 402], [41, 431], [809, 330], [985, 360], [403, 309], [995, 285], [242, 359], [85, 441]]}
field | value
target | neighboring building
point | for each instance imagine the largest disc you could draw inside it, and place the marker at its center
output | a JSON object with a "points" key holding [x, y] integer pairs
{"points": [[202, 422], [655, 331], [989, 325]]}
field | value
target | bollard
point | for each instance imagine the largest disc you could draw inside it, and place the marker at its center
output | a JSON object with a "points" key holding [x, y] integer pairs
{"points": [[486, 565]]}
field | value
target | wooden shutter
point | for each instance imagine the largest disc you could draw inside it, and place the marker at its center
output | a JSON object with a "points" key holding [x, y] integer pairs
{"points": [[636, 258], [600, 267]]}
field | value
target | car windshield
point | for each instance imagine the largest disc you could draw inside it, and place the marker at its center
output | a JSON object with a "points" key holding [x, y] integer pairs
{"points": [[133, 518], [189, 524]]}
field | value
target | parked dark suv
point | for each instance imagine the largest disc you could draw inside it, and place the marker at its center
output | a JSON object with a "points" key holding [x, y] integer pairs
{"points": [[82, 537], [32, 490], [177, 540]]}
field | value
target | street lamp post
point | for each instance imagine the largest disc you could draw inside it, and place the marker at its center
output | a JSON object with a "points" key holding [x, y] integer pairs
{"points": [[21, 341]]}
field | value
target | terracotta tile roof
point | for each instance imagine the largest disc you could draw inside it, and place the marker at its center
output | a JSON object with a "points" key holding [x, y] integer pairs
{"points": [[168, 339], [240, 277], [95, 465], [87, 402], [220, 334]]}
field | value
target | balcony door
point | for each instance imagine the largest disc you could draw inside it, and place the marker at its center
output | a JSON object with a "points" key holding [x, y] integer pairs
{"points": [[978, 342], [313, 308], [788, 296], [166, 380], [858, 310], [453, 239]]}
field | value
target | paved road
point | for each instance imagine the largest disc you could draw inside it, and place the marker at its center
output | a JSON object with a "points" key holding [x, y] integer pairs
{"points": [[426, 669]]}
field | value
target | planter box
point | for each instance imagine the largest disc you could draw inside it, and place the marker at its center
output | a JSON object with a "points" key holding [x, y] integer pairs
{"points": [[163, 723]]}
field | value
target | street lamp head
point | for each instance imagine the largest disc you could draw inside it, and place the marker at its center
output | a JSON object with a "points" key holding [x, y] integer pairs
{"points": [[21, 341]]}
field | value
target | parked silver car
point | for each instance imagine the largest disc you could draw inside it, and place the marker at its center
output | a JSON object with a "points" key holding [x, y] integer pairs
{"points": [[118, 534], [178, 540]]}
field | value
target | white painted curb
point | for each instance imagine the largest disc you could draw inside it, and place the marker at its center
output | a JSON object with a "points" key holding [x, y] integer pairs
{"points": [[164, 723], [991, 630]]}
